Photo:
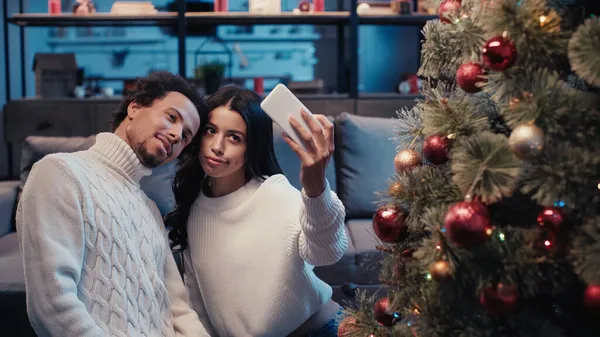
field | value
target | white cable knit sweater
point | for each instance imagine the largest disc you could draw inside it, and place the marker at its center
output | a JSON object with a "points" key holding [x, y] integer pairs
{"points": [[249, 265], [95, 250]]}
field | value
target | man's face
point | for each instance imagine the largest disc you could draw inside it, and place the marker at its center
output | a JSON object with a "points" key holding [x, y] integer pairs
{"points": [[160, 132]]}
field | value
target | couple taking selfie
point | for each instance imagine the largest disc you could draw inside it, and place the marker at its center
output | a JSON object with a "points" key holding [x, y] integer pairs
{"points": [[97, 252]]}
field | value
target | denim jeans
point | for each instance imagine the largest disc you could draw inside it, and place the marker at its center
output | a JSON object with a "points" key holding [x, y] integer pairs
{"points": [[330, 329]]}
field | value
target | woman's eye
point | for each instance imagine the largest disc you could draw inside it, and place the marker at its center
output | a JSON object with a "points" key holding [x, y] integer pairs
{"points": [[172, 117], [236, 138]]}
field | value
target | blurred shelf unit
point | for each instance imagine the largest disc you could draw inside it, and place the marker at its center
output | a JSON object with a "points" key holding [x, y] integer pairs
{"points": [[182, 21]]}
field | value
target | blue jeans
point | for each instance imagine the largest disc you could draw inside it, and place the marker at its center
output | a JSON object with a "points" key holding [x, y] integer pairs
{"points": [[330, 329]]}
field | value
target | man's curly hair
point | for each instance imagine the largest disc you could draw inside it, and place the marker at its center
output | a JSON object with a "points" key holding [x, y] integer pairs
{"points": [[156, 86]]}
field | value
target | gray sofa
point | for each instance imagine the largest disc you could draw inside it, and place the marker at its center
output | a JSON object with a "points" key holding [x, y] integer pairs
{"points": [[362, 166]]}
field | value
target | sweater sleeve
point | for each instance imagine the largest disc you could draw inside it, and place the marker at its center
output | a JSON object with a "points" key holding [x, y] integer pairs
{"points": [[185, 320], [50, 228], [193, 287], [323, 240]]}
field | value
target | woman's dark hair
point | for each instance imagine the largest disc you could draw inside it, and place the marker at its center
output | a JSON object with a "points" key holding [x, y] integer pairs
{"points": [[155, 86], [260, 155]]}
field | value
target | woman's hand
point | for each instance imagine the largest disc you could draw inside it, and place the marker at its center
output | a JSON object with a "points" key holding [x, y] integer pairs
{"points": [[319, 144]]}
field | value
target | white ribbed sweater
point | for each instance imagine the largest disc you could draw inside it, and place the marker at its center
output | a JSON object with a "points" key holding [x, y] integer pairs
{"points": [[249, 265], [95, 251]]}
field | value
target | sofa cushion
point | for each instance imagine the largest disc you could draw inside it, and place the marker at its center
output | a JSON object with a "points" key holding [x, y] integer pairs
{"points": [[361, 262], [365, 157], [12, 277], [157, 185], [368, 258], [290, 163], [8, 197]]}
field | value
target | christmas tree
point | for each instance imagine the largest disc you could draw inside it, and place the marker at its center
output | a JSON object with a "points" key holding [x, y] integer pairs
{"points": [[492, 225]]}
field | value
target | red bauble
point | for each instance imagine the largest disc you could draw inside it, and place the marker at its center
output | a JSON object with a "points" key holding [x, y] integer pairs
{"points": [[389, 223], [381, 314], [347, 326], [591, 297], [499, 53], [499, 300], [466, 223], [551, 218], [436, 148], [451, 7], [468, 75]]}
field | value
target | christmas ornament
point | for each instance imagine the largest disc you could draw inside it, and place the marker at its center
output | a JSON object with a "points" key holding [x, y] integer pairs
{"points": [[448, 9], [436, 148], [347, 327], [395, 188], [468, 75], [381, 312], [526, 141], [440, 271], [389, 223], [591, 297], [406, 160], [499, 300], [551, 218], [499, 53], [466, 223]]}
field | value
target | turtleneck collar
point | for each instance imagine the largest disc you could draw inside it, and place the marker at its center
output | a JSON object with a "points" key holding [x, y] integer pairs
{"points": [[231, 200], [118, 155]]}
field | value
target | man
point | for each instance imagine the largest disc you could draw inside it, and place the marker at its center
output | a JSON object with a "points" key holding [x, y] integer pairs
{"points": [[95, 251]]}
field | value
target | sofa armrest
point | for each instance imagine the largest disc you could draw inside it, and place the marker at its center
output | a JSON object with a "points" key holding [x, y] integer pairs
{"points": [[8, 198]]}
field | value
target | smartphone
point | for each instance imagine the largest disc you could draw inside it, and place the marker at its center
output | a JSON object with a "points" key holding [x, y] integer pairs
{"points": [[279, 104]]}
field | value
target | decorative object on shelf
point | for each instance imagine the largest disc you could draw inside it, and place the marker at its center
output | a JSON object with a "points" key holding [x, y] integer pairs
{"points": [[318, 5], [221, 6], [211, 74], [84, 7], [259, 85], [54, 7], [55, 75], [362, 8], [304, 6], [265, 6], [402, 6], [133, 8], [409, 84]]}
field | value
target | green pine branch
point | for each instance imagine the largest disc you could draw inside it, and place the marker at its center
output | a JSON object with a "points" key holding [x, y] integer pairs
{"points": [[567, 174], [585, 252], [584, 51], [457, 114], [484, 166], [447, 46]]}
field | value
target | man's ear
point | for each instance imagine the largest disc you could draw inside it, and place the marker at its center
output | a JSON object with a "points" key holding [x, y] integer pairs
{"points": [[132, 110]]}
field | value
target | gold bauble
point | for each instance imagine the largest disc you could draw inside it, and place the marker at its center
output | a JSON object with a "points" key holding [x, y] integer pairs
{"points": [[440, 271], [406, 160], [526, 141], [395, 188]]}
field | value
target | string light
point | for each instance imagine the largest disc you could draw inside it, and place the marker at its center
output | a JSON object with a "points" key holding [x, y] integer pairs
{"points": [[428, 276], [560, 203], [547, 243], [501, 236], [489, 231], [438, 247], [543, 19]]}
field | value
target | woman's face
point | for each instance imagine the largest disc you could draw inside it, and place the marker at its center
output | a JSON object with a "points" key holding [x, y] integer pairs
{"points": [[223, 144]]}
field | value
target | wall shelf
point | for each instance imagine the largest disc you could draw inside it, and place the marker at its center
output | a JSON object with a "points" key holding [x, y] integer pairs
{"points": [[182, 19], [96, 19]]}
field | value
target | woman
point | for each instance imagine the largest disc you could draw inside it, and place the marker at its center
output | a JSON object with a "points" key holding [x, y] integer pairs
{"points": [[250, 238]]}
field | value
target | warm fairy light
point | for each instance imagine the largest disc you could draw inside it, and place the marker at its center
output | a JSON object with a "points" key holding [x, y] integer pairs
{"points": [[547, 243], [489, 231], [416, 311], [599, 186], [543, 19], [438, 247]]}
